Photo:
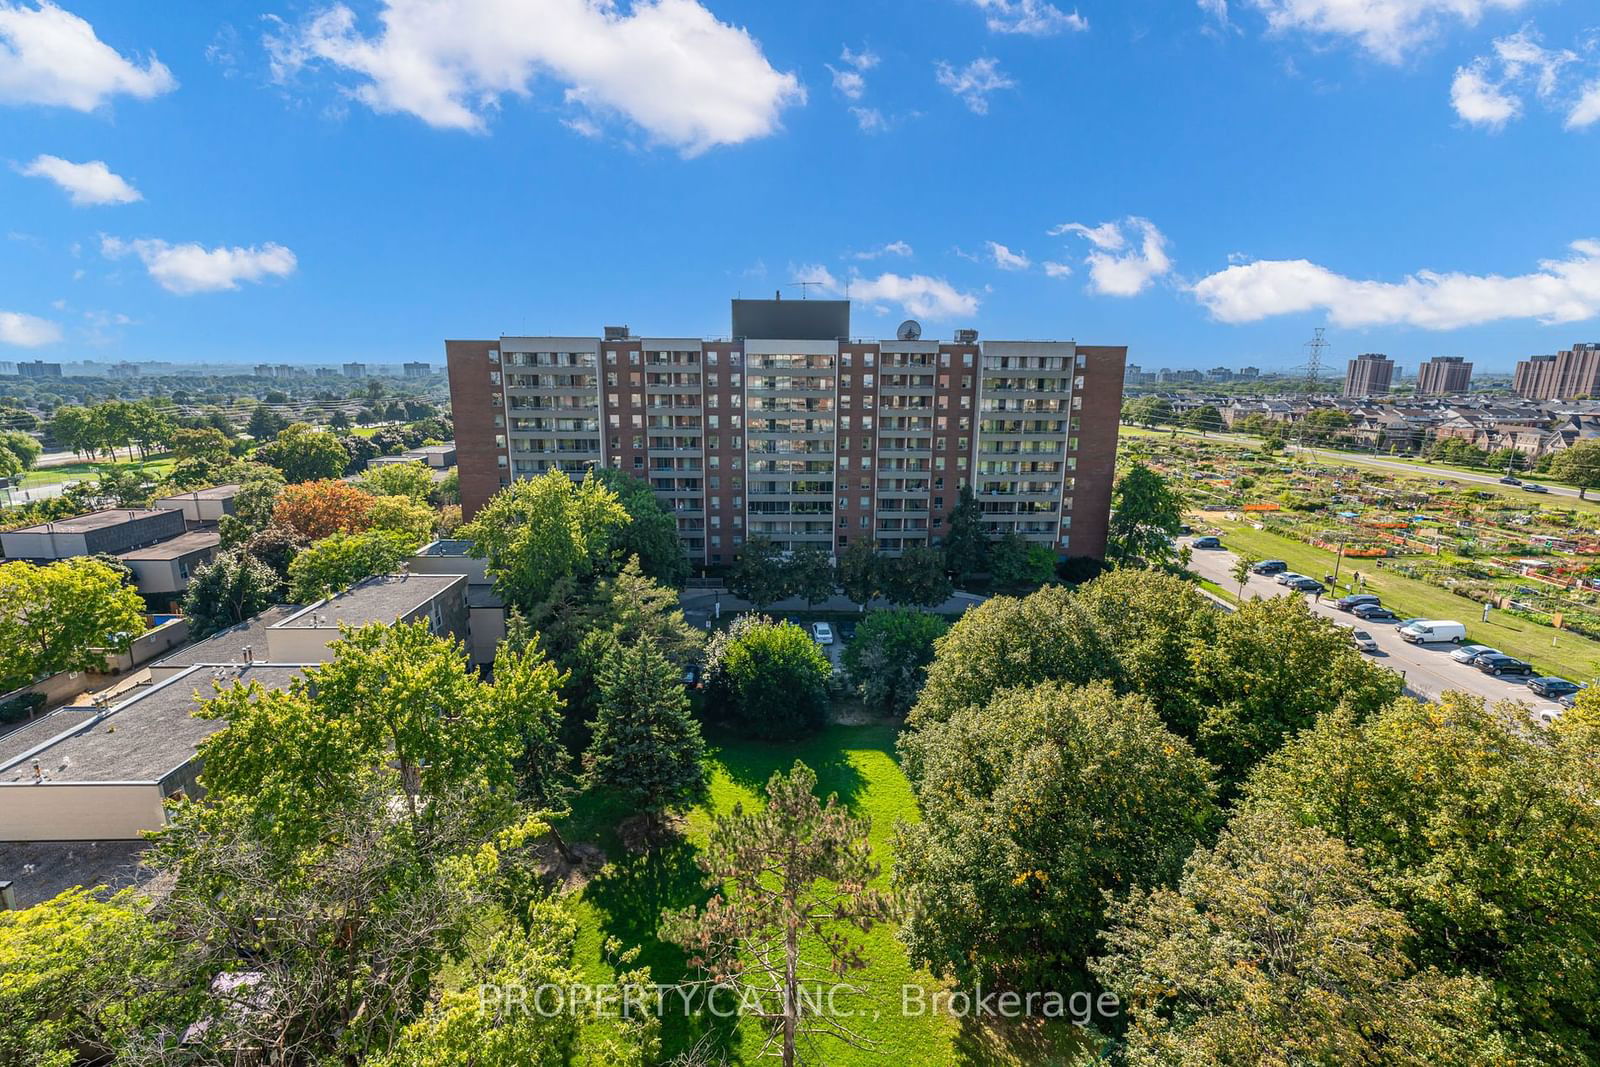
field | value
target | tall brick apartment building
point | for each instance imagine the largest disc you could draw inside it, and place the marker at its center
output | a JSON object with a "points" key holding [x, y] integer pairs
{"points": [[793, 431]]}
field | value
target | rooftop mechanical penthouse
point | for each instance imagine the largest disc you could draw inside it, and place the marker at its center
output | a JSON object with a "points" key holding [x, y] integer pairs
{"points": [[794, 431]]}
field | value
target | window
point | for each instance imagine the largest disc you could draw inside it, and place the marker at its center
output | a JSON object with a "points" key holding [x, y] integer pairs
{"points": [[711, 443], [867, 380], [844, 463], [711, 381], [494, 377], [711, 358], [844, 503], [638, 463], [494, 355], [499, 440], [865, 501], [500, 461]]}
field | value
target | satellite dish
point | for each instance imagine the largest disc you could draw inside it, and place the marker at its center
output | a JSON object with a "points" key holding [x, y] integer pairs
{"points": [[910, 330]]}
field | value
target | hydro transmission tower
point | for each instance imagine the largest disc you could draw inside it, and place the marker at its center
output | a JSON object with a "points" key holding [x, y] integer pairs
{"points": [[1315, 349]]}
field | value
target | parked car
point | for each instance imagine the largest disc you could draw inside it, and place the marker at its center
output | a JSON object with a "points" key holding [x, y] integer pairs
{"points": [[1375, 613], [1434, 631], [691, 677], [1302, 584], [822, 633], [1552, 687], [1403, 623], [1207, 542], [1570, 700], [1269, 567], [1509, 480], [1355, 600], [1363, 641], [1288, 577], [1185, 530], [1534, 487], [1468, 653], [1498, 665]]}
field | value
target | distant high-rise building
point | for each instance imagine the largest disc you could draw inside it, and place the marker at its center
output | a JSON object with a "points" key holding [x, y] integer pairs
{"points": [[7, 367], [1563, 376], [326, 372], [266, 370], [355, 370], [793, 432], [1369, 375], [1249, 373], [39, 369], [1444, 376], [417, 370]]}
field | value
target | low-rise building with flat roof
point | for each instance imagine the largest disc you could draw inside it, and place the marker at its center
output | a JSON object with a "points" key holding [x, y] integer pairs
{"points": [[201, 507], [486, 611], [162, 570], [109, 532], [91, 774], [304, 635], [243, 643]]}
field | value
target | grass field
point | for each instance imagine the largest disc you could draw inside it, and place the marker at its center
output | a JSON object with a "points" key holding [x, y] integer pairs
{"points": [[627, 899], [1570, 656], [157, 466]]}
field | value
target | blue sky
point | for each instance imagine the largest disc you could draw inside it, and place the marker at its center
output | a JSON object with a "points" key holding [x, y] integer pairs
{"points": [[1205, 182]]}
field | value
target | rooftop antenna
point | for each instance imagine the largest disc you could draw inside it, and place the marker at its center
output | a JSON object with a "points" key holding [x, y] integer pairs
{"points": [[804, 287]]}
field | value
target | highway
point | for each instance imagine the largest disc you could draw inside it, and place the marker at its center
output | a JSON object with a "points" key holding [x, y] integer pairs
{"points": [[1428, 669]]}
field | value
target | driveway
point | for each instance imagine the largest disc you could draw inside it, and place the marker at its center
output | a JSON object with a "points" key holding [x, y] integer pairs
{"points": [[1427, 669]]}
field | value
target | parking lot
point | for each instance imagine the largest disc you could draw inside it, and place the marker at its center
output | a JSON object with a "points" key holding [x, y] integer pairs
{"points": [[1427, 669]]}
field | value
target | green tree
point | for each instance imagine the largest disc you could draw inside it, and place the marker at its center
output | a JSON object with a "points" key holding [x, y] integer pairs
{"points": [[889, 656], [204, 445], [808, 574], [916, 577], [858, 571], [339, 422], [340, 560], [1482, 832], [1274, 949], [794, 889], [538, 531], [966, 546], [72, 427], [1017, 563], [767, 679], [411, 480], [1272, 668], [1149, 411], [1578, 465], [265, 424], [232, 587], [1240, 572], [1034, 809], [1009, 641], [651, 533], [18, 452], [1203, 418], [646, 747], [1145, 516], [402, 516], [758, 574], [305, 454], [63, 617], [81, 976]]}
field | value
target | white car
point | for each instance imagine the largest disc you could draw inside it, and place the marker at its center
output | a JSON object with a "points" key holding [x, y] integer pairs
{"points": [[822, 633], [1468, 653], [1287, 577]]}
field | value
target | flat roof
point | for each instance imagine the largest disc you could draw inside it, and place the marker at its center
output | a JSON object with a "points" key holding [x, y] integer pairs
{"points": [[446, 546], [95, 520], [174, 547], [146, 737], [227, 646], [40, 870], [383, 598], [216, 492], [36, 732]]}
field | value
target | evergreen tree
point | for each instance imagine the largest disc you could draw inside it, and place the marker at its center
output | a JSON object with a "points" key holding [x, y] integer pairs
{"points": [[966, 547], [646, 745]]}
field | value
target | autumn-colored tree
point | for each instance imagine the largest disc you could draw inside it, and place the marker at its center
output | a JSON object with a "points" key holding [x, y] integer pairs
{"points": [[314, 510]]}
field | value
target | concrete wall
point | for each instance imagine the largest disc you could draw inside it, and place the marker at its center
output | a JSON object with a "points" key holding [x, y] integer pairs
{"points": [[487, 628], [150, 644], [198, 510], [79, 811]]}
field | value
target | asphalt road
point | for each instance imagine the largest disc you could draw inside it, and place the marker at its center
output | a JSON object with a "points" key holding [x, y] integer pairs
{"points": [[1423, 470], [1428, 669]]}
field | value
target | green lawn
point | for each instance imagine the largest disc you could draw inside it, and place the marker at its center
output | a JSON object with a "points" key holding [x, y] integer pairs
{"points": [[157, 466], [1571, 656], [627, 900]]}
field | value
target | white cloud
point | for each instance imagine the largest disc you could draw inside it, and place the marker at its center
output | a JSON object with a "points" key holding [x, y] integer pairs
{"points": [[1489, 91], [86, 183], [27, 331], [865, 59], [1035, 18], [870, 119], [1480, 100], [53, 57], [847, 83], [974, 82], [1053, 269], [1006, 259], [1388, 29], [918, 295], [1565, 290], [1128, 255], [1217, 9], [667, 66], [191, 268], [1586, 111], [893, 248]]}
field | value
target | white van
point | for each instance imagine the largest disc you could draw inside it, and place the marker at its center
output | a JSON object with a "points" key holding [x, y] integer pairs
{"points": [[1430, 631]]}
